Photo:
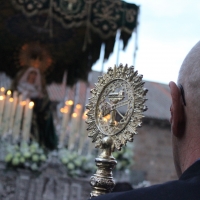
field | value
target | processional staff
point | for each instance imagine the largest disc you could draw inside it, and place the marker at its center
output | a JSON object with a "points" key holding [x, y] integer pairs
{"points": [[120, 87]]}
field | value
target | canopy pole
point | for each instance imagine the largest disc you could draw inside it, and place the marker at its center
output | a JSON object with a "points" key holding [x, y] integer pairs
{"points": [[118, 48], [136, 40], [102, 55]]}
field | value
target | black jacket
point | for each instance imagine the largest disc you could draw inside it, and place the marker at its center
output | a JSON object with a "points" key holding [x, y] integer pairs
{"points": [[186, 188]]}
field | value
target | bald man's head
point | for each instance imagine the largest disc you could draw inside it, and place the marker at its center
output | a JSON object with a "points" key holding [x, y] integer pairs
{"points": [[185, 117], [189, 78]]}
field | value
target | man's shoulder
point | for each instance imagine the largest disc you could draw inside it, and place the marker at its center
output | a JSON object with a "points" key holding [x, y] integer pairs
{"points": [[141, 193], [187, 187], [173, 190]]}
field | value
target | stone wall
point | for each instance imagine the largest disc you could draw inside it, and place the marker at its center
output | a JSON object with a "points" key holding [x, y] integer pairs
{"points": [[153, 153], [50, 184]]}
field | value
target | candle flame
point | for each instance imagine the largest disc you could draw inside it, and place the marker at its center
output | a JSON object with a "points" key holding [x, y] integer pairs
{"points": [[78, 106], [2, 89], [1, 98], [84, 117], [66, 109], [104, 119], [23, 103], [74, 115], [107, 116], [31, 104], [11, 99], [69, 103], [8, 92]]}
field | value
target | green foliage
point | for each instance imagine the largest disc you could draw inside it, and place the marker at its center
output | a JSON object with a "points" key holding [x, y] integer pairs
{"points": [[25, 155], [32, 156], [76, 165]]}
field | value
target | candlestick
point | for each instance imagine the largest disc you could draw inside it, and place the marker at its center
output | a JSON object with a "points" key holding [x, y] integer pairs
{"points": [[2, 91], [2, 104], [13, 109], [27, 120], [83, 132], [6, 113], [65, 114], [69, 104], [10, 103], [66, 118], [78, 111], [24, 118], [73, 131], [18, 119]]}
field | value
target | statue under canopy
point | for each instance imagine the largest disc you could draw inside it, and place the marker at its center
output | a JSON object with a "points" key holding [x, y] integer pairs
{"points": [[30, 82]]}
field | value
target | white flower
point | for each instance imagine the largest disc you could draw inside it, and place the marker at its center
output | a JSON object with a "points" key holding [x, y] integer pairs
{"points": [[34, 166]]}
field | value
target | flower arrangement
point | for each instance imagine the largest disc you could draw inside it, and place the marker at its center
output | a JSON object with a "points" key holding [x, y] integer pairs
{"points": [[32, 156], [25, 155], [77, 165]]}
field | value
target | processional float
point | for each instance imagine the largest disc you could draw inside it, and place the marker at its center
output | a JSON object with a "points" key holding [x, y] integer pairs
{"points": [[121, 87]]}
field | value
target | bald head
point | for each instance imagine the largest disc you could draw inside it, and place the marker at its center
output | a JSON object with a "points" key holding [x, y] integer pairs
{"points": [[189, 77], [190, 69], [185, 119]]}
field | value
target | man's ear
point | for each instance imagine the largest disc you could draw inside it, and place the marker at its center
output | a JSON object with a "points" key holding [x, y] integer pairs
{"points": [[177, 111]]}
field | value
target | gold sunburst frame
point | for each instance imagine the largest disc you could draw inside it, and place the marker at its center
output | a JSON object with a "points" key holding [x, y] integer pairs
{"points": [[37, 52], [108, 125]]}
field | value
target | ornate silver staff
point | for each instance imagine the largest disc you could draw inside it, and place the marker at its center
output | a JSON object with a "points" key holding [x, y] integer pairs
{"points": [[114, 112]]}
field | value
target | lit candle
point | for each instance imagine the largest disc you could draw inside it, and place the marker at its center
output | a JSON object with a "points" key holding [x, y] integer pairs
{"points": [[78, 111], [24, 118], [2, 104], [18, 119], [27, 120], [8, 93], [73, 131], [69, 105], [74, 127], [84, 125], [65, 119], [83, 132], [2, 91], [13, 109], [7, 118], [6, 113]]}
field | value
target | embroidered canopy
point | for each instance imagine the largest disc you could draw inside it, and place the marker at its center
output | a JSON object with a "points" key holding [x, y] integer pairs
{"points": [[72, 31]]}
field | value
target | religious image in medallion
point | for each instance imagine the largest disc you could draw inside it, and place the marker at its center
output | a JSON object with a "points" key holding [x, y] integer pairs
{"points": [[115, 107]]}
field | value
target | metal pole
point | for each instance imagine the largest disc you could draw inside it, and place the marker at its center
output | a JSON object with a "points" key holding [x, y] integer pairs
{"points": [[136, 40], [102, 57], [118, 49]]}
